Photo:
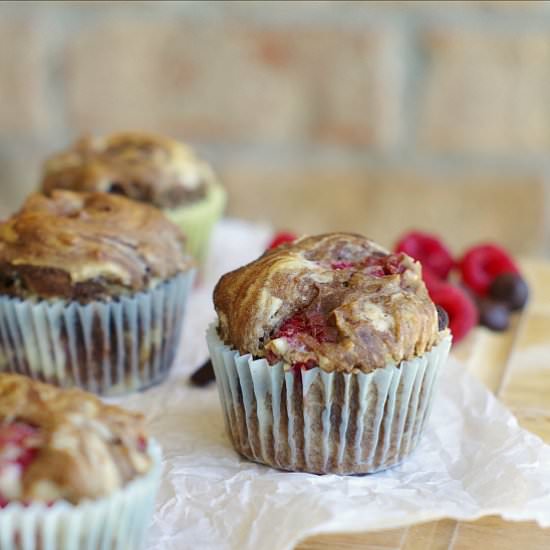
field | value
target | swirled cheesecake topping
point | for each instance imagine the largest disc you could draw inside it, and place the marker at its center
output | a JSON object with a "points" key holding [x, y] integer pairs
{"points": [[87, 246], [141, 166], [338, 301], [65, 444]]}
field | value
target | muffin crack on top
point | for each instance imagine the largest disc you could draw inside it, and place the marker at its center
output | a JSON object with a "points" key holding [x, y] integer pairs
{"points": [[87, 246], [337, 301]]}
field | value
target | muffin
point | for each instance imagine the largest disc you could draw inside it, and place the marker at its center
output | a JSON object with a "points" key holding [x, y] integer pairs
{"points": [[147, 168], [74, 472], [326, 352], [92, 291]]}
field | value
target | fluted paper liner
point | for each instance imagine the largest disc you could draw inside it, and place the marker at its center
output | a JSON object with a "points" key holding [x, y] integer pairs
{"points": [[103, 347], [320, 422], [117, 522], [198, 220]]}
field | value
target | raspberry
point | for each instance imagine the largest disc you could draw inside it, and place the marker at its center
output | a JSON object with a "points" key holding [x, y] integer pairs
{"points": [[142, 443], [292, 327], [341, 265], [428, 250], [311, 323], [281, 238], [481, 264], [19, 445], [393, 264], [24, 439], [15, 434], [431, 280], [460, 308]]}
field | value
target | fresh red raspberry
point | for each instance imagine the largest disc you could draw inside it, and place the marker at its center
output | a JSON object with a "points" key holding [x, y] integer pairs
{"points": [[428, 250], [481, 264], [281, 238], [431, 280], [460, 308]]}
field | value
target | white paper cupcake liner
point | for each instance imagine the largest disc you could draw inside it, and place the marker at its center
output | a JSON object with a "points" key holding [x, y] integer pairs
{"points": [[108, 348], [117, 522], [322, 422]]}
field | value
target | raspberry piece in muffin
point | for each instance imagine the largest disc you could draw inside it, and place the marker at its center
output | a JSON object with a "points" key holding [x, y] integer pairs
{"points": [[19, 444], [280, 238]]}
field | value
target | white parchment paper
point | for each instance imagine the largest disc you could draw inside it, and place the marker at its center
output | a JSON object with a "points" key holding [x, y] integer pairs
{"points": [[474, 458]]}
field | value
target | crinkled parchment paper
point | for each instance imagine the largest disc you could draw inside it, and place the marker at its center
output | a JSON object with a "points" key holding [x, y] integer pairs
{"points": [[474, 459]]}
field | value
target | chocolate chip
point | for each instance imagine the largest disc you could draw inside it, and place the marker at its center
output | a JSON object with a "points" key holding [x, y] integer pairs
{"points": [[442, 318], [117, 188], [204, 375], [511, 289], [494, 315]]}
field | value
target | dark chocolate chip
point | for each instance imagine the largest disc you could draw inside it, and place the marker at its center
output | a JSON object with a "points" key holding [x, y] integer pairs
{"points": [[117, 189], [494, 315], [511, 289], [204, 375], [442, 318]]}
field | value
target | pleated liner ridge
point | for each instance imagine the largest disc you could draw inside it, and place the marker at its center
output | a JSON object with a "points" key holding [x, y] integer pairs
{"points": [[321, 422], [104, 347]]}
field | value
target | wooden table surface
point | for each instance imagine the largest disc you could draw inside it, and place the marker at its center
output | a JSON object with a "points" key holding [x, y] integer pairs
{"points": [[513, 366]]}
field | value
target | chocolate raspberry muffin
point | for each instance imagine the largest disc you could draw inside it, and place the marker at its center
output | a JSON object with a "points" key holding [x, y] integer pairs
{"points": [[326, 353], [73, 471], [147, 168], [92, 291]]}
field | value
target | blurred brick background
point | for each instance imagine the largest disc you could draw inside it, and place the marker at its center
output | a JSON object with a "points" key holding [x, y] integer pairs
{"points": [[372, 116]]}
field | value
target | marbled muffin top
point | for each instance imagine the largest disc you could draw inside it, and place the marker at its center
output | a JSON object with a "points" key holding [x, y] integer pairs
{"points": [[65, 444], [87, 246], [337, 301], [140, 166]]}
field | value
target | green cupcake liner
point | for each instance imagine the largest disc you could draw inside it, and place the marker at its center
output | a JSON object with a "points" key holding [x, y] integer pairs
{"points": [[198, 220]]}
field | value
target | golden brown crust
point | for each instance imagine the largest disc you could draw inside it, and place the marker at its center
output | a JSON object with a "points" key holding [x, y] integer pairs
{"points": [[140, 166], [87, 246], [87, 449], [338, 301]]}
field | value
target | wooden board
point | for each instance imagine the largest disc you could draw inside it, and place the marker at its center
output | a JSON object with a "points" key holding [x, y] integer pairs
{"points": [[516, 367]]}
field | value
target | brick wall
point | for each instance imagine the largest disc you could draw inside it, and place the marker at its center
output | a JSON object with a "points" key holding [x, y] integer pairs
{"points": [[318, 115]]}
